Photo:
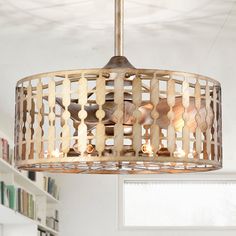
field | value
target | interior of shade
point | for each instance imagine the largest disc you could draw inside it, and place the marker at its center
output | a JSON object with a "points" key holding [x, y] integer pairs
{"points": [[122, 167]]}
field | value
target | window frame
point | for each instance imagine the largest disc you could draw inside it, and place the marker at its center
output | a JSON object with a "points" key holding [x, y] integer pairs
{"points": [[210, 178]]}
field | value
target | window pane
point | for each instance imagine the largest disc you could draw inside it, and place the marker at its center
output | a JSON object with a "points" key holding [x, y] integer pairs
{"points": [[186, 203]]}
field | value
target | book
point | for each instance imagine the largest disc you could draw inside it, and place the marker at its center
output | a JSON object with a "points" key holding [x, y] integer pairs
{"points": [[51, 187], [56, 214], [1, 149], [11, 156], [31, 207], [32, 175], [52, 223], [5, 149], [45, 183], [25, 203], [12, 196], [52, 212], [5, 152], [6, 194], [40, 180], [2, 192], [44, 233], [19, 200], [22, 201]]}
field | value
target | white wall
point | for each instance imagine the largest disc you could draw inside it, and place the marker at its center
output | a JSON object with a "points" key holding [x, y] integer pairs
{"points": [[89, 207]]}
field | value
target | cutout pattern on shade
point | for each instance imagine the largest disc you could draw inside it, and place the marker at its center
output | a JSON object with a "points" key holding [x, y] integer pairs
{"points": [[118, 121]]}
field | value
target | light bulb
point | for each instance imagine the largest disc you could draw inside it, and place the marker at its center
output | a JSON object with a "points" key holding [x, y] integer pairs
{"points": [[179, 153], [46, 154], [56, 153], [90, 148], [146, 148]]}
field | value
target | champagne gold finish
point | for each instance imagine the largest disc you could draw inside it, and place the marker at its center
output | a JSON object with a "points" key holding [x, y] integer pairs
{"points": [[106, 126]]}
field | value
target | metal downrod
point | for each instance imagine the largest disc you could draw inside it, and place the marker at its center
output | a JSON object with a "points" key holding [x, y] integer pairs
{"points": [[119, 27]]}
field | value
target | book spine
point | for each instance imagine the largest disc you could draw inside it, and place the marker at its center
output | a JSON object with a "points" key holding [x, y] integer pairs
{"points": [[12, 196], [2, 192], [1, 148]]}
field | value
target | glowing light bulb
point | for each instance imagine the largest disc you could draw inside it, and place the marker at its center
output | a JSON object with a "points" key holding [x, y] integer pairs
{"points": [[56, 153], [179, 153], [146, 148], [46, 154], [90, 148]]}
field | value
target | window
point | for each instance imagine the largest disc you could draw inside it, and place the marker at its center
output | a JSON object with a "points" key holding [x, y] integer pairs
{"points": [[165, 203]]}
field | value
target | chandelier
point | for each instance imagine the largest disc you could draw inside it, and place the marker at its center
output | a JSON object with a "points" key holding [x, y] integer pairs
{"points": [[118, 119]]}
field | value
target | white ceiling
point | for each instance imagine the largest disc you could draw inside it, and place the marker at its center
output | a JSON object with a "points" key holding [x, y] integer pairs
{"points": [[190, 35], [94, 15]]}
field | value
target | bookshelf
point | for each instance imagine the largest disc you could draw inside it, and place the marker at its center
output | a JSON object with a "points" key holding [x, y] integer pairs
{"points": [[10, 217], [24, 182], [11, 221]]}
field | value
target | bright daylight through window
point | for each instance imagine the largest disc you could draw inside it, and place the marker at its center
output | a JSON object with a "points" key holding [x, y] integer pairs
{"points": [[178, 203]]}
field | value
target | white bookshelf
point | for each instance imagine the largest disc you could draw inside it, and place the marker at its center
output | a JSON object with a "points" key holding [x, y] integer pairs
{"points": [[11, 217], [12, 220], [46, 228], [24, 182]]}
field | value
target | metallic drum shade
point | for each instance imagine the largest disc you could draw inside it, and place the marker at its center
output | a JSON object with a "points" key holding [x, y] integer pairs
{"points": [[118, 120]]}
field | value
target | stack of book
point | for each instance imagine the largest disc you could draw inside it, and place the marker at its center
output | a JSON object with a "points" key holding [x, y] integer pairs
{"points": [[17, 199], [25, 203], [51, 187], [5, 152], [44, 233], [52, 221]]}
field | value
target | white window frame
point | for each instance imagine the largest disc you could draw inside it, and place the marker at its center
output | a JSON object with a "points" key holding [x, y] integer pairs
{"points": [[168, 178]]}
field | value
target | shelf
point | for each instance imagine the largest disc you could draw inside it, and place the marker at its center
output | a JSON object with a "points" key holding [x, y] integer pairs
{"points": [[9, 216], [25, 182], [47, 229]]}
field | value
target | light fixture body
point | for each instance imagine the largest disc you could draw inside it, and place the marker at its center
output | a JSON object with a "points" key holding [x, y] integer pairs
{"points": [[118, 119]]}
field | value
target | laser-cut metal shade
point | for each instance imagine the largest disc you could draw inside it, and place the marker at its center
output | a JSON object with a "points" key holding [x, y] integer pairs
{"points": [[118, 119]]}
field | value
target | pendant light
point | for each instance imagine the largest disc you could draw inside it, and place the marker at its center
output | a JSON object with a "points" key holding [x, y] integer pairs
{"points": [[118, 119]]}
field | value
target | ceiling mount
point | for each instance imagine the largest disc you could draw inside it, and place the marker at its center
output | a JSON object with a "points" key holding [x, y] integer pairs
{"points": [[118, 119]]}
